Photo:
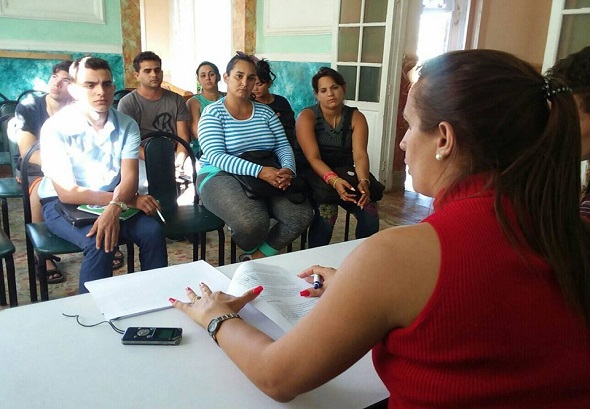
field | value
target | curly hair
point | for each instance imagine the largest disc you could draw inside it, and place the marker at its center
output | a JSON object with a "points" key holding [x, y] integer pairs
{"points": [[574, 70]]}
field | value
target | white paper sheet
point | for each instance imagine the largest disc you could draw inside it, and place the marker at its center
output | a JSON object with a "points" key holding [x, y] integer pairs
{"points": [[145, 291]]}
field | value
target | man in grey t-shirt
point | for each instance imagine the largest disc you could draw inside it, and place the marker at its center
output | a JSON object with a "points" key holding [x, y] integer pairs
{"points": [[155, 108]]}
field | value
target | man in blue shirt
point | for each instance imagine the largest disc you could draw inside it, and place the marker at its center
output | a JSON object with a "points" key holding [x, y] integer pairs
{"points": [[89, 155]]}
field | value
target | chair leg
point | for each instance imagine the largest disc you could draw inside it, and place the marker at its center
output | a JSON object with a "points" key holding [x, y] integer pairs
{"points": [[233, 250], [203, 238], [196, 248], [221, 235], [43, 278], [347, 226], [303, 240], [130, 257], [5, 223], [32, 272], [2, 286], [11, 278]]}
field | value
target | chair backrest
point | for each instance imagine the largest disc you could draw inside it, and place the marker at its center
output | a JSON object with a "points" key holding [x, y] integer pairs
{"points": [[118, 95], [6, 131], [27, 92], [4, 97], [159, 165], [25, 182], [7, 107]]}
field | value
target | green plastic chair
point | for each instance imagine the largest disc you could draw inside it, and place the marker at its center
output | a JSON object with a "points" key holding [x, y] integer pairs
{"points": [[9, 187], [193, 220], [6, 252], [43, 243]]}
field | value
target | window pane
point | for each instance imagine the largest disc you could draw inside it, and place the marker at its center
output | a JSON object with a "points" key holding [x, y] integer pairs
{"points": [[369, 84], [373, 40], [350, 11], [574, 34], [577, 4], [375, 11], [348, 44], [349, 74]]}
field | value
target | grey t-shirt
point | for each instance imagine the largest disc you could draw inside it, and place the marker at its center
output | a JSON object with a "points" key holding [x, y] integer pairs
{"points": [[160, 115]]}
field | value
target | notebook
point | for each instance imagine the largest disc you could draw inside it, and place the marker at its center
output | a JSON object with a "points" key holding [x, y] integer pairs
{"points": [[84, 215]]}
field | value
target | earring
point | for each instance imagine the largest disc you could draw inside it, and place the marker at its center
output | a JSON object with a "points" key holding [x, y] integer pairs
{"points": [[438, 156]]}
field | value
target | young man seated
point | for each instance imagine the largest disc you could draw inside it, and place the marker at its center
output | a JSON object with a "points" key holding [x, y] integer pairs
{"points": [[89, 155]]}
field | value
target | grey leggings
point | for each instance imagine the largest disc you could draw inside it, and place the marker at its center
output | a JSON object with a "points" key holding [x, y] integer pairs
{"points": [[249, 219]]}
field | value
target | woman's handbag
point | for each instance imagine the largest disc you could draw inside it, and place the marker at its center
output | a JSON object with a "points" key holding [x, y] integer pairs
{"points": [[325, 193], [257, 189]]}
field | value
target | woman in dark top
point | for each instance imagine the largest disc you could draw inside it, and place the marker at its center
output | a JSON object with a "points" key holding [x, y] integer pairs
{"points": [[320, 130], [264, 79]]}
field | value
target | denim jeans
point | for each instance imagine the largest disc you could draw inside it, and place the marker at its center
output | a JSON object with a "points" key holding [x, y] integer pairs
{"points": [[249, 219], [325, 216], [145, 231]]}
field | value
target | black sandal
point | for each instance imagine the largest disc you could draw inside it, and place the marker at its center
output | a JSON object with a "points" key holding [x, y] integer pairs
{"points": [[119, 260], [52, 272]]}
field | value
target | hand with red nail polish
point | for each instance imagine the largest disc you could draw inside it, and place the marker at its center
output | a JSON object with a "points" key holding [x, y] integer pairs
{"points": [[326, 274], [211, 304]]}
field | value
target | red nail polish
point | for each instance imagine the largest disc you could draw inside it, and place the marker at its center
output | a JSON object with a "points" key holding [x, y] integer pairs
{"points": [[189, 289], [258, 290], [304, 293], [172, 300]]}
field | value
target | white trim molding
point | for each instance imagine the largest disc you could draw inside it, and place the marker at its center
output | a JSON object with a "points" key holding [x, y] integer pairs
{"points": [[301, 17], [80, 11], [26, 45], [295, 57]]}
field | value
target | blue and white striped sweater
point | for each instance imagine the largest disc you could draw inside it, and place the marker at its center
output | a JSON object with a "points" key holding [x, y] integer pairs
{"points": [[223, 138]]}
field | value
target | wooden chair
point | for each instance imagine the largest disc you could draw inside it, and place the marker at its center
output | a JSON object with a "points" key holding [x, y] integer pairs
{"points": [[6, 252], [192, 220], [43, 243]]}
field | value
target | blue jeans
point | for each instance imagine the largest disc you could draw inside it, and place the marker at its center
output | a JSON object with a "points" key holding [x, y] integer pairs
{"points": [[325, 216], [249, 219], [143, 230]]}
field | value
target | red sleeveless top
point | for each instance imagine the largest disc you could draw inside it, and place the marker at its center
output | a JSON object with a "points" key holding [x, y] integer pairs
{"points": [[496, 332]]}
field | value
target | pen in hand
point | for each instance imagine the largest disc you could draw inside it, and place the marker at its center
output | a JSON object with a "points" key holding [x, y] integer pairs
{"points": [[160, 215], [317, 281]]}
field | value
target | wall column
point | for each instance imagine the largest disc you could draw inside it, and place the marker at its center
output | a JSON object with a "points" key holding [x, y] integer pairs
{"points": [[131, 36], [244, 26]]}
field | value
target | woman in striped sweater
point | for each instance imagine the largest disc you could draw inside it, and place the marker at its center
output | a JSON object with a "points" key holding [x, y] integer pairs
{"points": [[227, 129]]}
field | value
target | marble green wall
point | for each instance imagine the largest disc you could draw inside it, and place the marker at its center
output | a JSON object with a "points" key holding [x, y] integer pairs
{"points": [[40, 36]]}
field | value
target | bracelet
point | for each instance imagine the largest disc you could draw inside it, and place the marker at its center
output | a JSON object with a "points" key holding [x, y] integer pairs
{"points": [[366, 180], [335, 181], [329, 175]]}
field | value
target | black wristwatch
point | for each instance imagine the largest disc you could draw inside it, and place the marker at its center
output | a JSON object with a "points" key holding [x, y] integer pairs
{"points": [[215, 324]]}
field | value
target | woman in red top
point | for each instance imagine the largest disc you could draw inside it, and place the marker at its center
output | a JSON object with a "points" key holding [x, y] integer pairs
{"points": [[486, 304]]}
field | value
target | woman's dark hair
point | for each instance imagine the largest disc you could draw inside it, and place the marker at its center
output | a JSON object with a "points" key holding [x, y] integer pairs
{"points": [[507, 125], [327, 72], [574, 70], [240, 56], [263, 71], [215, 69]]}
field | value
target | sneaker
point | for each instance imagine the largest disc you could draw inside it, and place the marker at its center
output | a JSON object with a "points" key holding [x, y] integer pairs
{"points": [[244, 257]]}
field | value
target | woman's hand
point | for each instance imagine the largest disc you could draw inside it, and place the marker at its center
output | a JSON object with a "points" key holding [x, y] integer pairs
{"points": [[285, 175], [365, 198], [345, 190], [270, 175], [326, 274], [145, 203], [202, 309]]}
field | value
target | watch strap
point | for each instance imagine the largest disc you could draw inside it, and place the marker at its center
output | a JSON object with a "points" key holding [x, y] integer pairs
{"points": [[215, 324], [122, 205]]}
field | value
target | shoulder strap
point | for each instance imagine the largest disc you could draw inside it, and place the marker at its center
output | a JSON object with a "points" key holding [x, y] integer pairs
{"points": [[347, 121]]}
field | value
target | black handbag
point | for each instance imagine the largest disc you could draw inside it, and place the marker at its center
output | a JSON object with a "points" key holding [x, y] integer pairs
{"points": [[325, 193], [257, 189]]}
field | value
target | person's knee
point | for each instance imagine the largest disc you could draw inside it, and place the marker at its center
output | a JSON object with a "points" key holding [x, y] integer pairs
{"points": [[254, 226]]}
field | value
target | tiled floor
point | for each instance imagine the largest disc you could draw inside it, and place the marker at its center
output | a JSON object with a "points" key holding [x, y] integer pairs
{"points": [[398, 208]]}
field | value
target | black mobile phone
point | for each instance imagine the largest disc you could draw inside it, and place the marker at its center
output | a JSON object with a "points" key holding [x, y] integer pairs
{"points": [[152, 336]]}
